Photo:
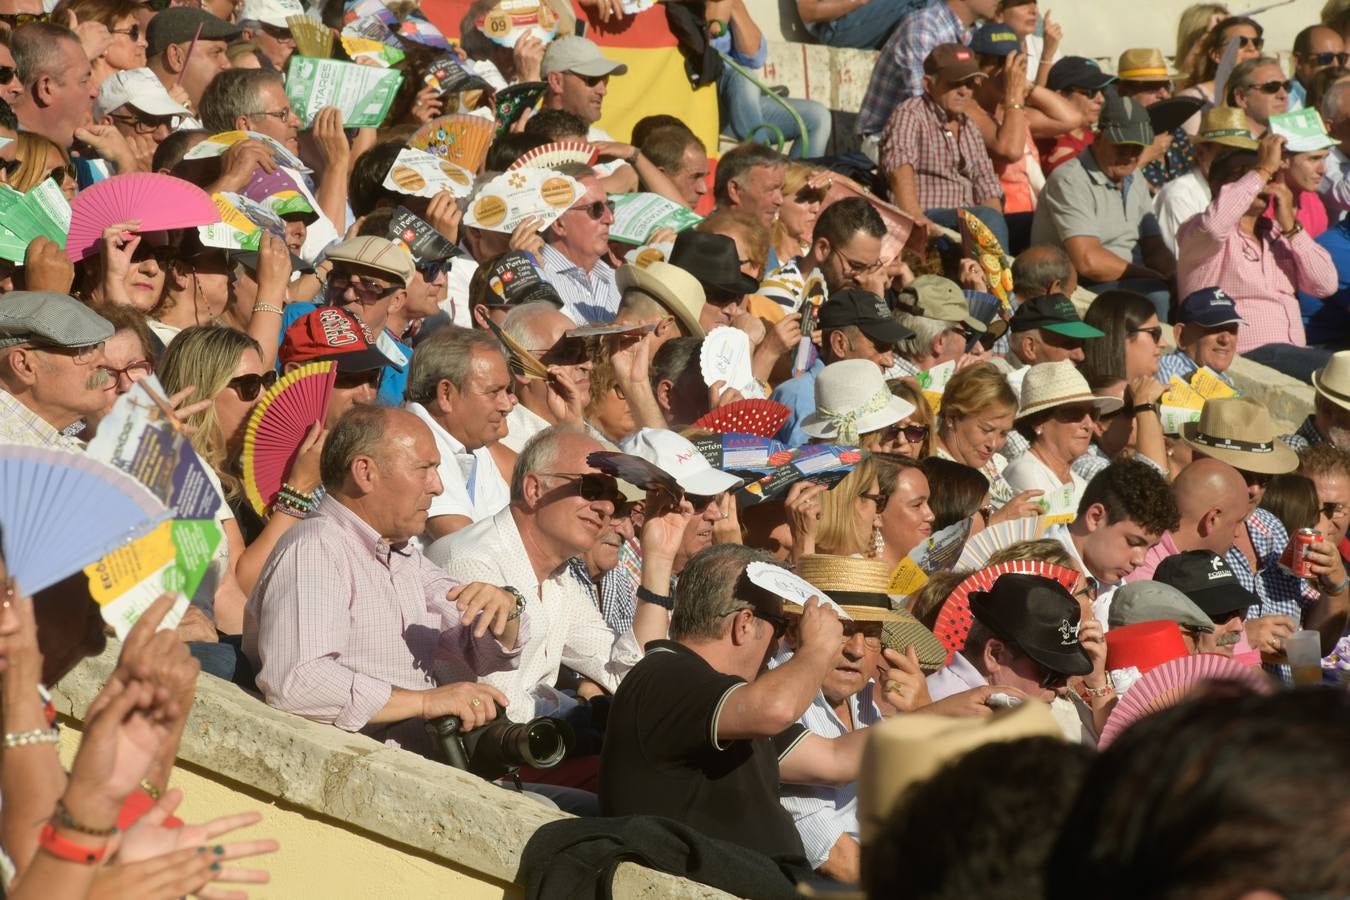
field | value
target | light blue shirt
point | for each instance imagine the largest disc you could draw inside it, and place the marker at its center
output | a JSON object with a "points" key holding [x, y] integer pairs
{"points": [[799, 395], [588, 297]]}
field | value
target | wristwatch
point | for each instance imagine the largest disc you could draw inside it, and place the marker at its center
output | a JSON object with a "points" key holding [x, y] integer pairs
{"points": [[520, 603], [1143, 408]]}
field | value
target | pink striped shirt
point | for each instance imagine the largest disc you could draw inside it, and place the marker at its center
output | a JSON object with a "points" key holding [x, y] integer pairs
{"points": [[339, 618], [1260, 274]]}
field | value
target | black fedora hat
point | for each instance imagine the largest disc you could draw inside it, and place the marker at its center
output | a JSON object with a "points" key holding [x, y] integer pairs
{"points": [[1039, 616], [713, 260]]}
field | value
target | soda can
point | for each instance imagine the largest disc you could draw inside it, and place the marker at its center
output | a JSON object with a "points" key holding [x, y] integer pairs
{"points": [[1295, 559]]}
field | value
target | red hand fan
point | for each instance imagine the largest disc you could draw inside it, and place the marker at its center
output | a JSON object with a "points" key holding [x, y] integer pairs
{"points": [[549, 155], [278, 427], [160, 202], [1168, 684], [954, 619], [763, 418]]}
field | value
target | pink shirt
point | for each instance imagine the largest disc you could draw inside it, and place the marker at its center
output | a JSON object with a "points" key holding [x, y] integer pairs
{"points": [[1312, 213], [339, 618], [1260, 274]]}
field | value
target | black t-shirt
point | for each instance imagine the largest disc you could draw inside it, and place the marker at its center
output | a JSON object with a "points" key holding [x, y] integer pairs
{"points": [[661, 755]]}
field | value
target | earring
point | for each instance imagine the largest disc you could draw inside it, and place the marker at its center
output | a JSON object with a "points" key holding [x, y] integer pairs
{"points": [[878, 542]]}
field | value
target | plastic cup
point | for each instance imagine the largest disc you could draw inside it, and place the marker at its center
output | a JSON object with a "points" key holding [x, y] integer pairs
{"points": [[1304, 652]]}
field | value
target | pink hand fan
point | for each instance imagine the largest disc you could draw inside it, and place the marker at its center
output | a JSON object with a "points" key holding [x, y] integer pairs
{"points": [[278, 427], [161, 202], [759, 417], [1170, 683], [954, 619], [550, 155], [998, 537]]}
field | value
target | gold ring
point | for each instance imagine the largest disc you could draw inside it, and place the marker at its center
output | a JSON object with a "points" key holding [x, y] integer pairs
{"points": [[474, 701], [895, 686]]}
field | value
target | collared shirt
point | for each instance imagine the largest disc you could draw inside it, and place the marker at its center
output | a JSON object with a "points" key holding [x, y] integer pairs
{"points": [[950, 170], [587, 296], [1335, 188], [340, 617], [1259, 273], [471, 486], [1178, 363], [1306, 436], [1080, 200], [1103, 590], [20, 425], [898, 73], [1178, 200], [1277, 592], [521, 425], [567, 628], [1326, 320], [823, 814], [799, 395], [1000, 492], [616, 595], [1090, 464]]}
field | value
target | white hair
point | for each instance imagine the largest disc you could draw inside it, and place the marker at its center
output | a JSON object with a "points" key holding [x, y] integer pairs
{"points": [[925, 330]]}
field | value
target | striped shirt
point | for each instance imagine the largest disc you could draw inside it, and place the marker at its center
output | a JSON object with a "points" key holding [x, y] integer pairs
{"points": [[1260, 273], [1182, 366], [950, 170], [588, 297], [898, 73]]}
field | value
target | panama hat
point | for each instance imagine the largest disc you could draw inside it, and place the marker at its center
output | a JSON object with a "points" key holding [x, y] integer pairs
{"points": [[851, 400], [1144, 64], [1333, 381], [1225, 125], [677, 292], [1238, 431], [1052, 384], [861, 587]]}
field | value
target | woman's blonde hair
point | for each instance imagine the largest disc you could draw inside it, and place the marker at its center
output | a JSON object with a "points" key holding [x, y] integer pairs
{"points": [[1191, 31], [204, 358], [923, 413], [748, 226], [31, 151], [840, 533], [976, 388], [796, 177]]}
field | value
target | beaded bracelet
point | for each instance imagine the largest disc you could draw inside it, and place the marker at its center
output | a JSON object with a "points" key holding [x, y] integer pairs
{"points": [[36, 736], [63, 819], [294, 503], [1105, 690]]}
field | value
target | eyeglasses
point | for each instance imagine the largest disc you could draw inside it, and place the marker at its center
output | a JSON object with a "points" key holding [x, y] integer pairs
{"points": [[1052, 680], [595, 210], [134, 32], [700, 502], [346, 381], [878, 499], [590, 486], [871, 632], [1254, 42], [1074, 413], [248, 387], [1255, 479], [7, 74], [1155, 332], [779, 623], [281, 115], [1271, 87], [1327, 59], [78, 355], [1334, 510], [366, 291], [913, 434], [855, 267], [132, 373], [148, 124], [282, 35]]}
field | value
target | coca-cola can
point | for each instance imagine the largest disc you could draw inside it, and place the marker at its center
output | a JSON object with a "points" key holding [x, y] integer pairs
{"points": [[1295, 559]]}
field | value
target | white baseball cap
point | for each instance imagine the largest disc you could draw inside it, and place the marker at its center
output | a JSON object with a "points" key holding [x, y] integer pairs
{"points": [[139, 88], [270, 12], [679, 459]]}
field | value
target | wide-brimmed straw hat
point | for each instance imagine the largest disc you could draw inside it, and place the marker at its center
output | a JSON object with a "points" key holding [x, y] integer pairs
{"points": [[852, 399], [1333, 381], [1048, 385], [674, 289], [1239, 431], [861, 588]]}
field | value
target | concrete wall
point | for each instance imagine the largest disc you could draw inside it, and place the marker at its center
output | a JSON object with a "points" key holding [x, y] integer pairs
{"points": [[355, 819]]}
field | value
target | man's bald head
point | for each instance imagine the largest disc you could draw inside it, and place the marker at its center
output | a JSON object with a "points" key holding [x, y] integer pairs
{"points": [[364, 431], [1211, 499]]}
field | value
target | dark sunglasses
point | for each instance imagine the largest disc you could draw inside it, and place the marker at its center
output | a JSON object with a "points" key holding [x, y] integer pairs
{"points": [[347, 381], [878, 499], [595, 210], [10, 166], [61, 173], [913, 434], [248, 387], [1257, 42], [7, 74], [1328, 59], [134, 32], [591, 486], [1072, 413], [1271, 87], [278, 34], [1090, 93], [700, 502], [591, 80], [1155, 332]]}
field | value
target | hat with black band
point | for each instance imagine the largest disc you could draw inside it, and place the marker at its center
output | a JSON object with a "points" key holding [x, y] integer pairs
{"points": [[1239, 431]]}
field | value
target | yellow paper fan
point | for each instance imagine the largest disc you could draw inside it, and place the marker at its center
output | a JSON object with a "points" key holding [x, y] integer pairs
{"points": [[312, 37], [460, 138]]}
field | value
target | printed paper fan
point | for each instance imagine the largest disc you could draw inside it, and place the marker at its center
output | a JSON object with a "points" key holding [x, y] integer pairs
{"points": [[555, 154], [759, 417], [312, 37], [981, 245], [278, 426], [459, 138], [635, 470], [954, 619], [996, 537], [45, 494], [161, 202], [1170, 683]]}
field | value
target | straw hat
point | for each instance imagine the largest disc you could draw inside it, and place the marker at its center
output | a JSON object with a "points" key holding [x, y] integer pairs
{"points": [[1052, 384], [1238, 431], [905, 750], [1144, 64], [677, 292], [1225, 125], [851, 400], [1333, 382], [862, 588]]}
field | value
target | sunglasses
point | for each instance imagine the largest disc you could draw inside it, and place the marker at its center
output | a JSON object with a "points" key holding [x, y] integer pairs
{"points": [[595, 210], [1328, 59], [1071, 413], [1255, 42], [248, 387], [1271, 87], [913, 434], [1155, 332], [365, 291], [8, 74], [61, 173], [1090, 93], [148, 124], [591, 80], [1053, 680], [591, 486], [282, 35], [878, 499], [1333, 510], [134, 32], [346, 381], [10, 166], [779, 623]]}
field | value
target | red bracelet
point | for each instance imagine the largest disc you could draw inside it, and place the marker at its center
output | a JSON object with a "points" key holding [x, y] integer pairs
{"points": [[64, 848]]}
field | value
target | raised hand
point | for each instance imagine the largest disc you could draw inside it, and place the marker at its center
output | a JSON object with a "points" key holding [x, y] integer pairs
{"points": [[903, 682]]}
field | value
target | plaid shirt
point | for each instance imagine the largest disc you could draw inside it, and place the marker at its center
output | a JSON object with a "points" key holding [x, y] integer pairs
{"points": [[950, 171], [1260, 274], [1179, 364], [20, 425], [898, 73], [1278, 593], [1305, 437]]}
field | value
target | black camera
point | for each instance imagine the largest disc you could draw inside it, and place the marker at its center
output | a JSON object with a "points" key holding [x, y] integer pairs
{"points": [[501, 746]]}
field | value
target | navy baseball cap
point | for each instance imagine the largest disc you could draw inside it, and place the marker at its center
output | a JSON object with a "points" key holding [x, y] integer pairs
{"points": [[1077, 72], [995, 39], [1209, 308]]}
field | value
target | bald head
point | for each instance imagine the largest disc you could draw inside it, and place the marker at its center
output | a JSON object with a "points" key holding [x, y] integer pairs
{"points": [[1211, 499]]}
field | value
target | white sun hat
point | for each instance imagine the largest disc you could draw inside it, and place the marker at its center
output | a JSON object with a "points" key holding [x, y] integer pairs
{"points": [[851, 400], [1052, 384]]}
